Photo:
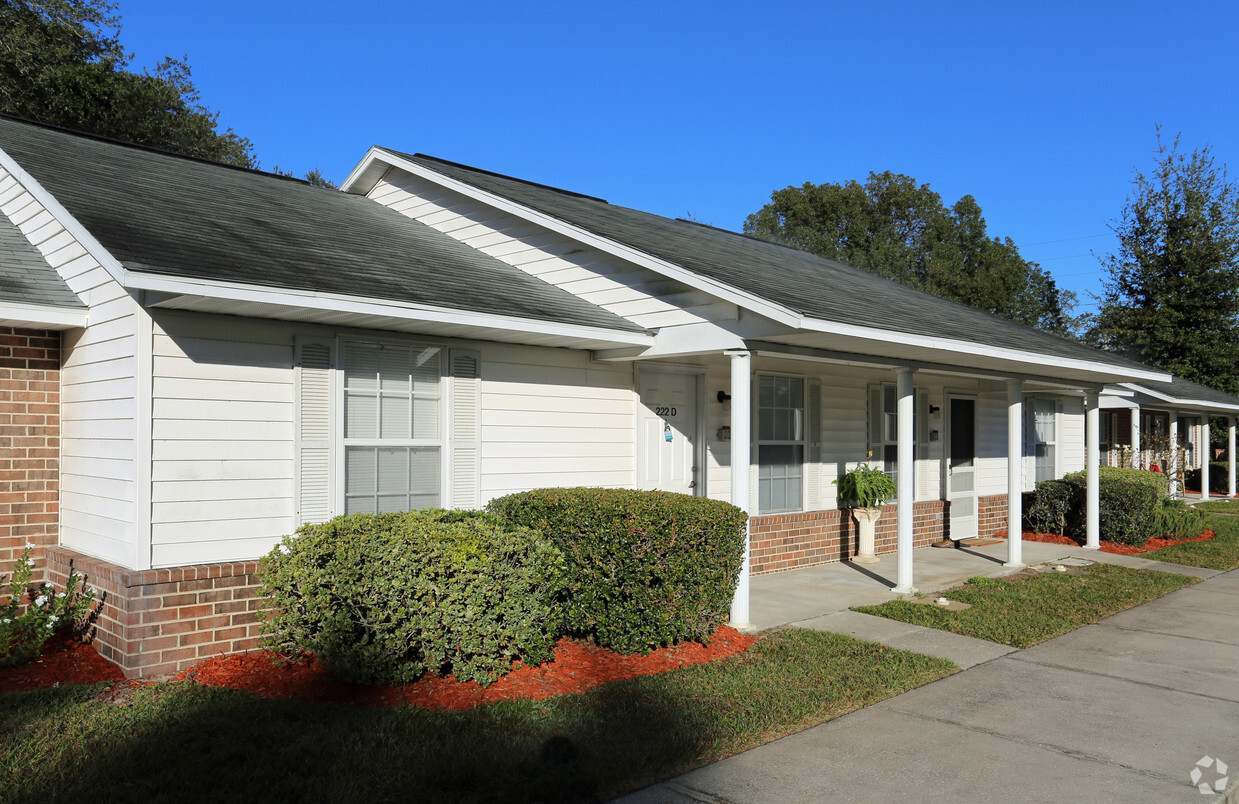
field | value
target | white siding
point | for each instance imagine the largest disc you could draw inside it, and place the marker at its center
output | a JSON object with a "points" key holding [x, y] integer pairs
{"points": [[641, 295], [1071, 441], [992, 440], [551, 417], [222, 438], [99, 391]]}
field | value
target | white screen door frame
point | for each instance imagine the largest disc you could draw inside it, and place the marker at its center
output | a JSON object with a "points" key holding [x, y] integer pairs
{"points": [[960, 462]]}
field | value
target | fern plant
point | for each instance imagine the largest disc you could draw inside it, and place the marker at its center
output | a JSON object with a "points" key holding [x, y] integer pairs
{"points": [[865, 487]]}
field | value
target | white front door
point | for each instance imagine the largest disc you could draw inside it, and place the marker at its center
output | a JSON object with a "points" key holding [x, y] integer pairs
{"points": [[961, 484], [667, 427]]}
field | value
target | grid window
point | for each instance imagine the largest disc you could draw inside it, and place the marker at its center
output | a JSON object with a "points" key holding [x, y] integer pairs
{"points": [[781, 443]]}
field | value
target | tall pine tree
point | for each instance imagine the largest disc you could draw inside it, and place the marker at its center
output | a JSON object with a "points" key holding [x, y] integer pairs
{"points": [[1172, 295]]}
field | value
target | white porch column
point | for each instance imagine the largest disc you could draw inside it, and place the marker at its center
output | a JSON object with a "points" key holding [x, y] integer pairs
{"points": [[1206, 455], [1015, 473], [905, 481], [1135, 438], [741, 438], [1230, 450], [1172, 471], [1092, 468]]}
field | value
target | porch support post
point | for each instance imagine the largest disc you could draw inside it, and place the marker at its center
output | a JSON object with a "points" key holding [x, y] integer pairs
{"points": [[741, 438], [1092, 469], [1206, 455], [1172, 471], [1136, 462], [1015, 473], [1230, 450], [905, 481]]}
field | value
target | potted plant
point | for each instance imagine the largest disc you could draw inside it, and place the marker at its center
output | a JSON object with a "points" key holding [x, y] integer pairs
{"points": [[865, 489]]}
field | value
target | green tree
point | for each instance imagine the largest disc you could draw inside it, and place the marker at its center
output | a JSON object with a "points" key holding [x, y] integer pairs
{"points": [[61, 63], [896, 228], [1172, 294]]}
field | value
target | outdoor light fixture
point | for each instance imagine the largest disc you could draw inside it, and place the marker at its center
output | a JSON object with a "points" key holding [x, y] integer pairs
{"points": [[723, 396]]}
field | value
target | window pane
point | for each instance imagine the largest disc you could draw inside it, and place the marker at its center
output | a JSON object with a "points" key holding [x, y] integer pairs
{"points": [[1044, 411], [393, 474], [394, 370], [361, 418], [396, 415], [426, 371], [360, 470], [361, 366], [1045, 462], [424, 487], [426, 418]]}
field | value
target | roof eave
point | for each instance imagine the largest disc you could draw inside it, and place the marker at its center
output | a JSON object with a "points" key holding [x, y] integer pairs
{"points": [[21, 315]]}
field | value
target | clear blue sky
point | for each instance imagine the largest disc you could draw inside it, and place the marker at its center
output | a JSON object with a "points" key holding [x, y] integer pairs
{"points": [[1040, 111]]}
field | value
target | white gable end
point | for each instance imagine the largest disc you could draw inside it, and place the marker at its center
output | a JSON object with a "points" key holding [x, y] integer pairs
{"points": [[639, 294]]}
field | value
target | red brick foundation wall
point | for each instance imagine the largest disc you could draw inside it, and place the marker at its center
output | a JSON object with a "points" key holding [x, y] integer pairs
{"points": [[790, 541], [29, 442], [159, 621], [991, 514]]}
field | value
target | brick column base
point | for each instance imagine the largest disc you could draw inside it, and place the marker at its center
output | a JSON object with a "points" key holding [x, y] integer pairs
{"points": [[160, 621]]}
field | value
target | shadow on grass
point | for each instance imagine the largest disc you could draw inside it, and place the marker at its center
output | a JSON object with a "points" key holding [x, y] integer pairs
{"points": [[180, 742]]}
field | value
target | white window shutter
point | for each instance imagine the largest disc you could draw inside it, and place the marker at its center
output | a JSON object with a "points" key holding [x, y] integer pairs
{"points": [[813, 449], [754, 449], [923, 464], [877, 431], [315, 394], [466, 443]]}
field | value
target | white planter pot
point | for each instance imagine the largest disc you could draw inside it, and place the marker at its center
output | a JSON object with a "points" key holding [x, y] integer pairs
{"points": [[865, 519]]}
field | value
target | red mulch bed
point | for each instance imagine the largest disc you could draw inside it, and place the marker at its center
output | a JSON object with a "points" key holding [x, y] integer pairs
{"points": [[1111, 547], [65, 660], [578, 666]]}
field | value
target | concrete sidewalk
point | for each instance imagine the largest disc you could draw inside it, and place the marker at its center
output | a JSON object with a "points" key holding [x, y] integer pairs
{"points": [[1122, 710]]}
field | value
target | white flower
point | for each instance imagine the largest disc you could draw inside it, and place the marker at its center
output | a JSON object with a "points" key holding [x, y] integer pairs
{"points": [[30, 562], [29, 545], [47, 586], [60, 594], [283, 548], [53, 618], [41, 600], [7, 621], [51, 626]]}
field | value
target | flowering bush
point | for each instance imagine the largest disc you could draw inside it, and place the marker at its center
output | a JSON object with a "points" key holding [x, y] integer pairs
{"points": [[22, 633]]}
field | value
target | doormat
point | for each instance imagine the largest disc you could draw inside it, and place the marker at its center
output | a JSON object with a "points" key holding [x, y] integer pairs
{"points": [[981, 541]]}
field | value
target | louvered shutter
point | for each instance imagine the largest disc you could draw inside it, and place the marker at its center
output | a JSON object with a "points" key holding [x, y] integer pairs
{"points": [[315, 396], [466, 442], [754, 449], [877, 433], [813, 449], [924, 466]]}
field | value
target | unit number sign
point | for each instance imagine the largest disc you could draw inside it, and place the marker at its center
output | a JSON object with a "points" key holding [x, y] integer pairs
{"points": [[664, 411]]}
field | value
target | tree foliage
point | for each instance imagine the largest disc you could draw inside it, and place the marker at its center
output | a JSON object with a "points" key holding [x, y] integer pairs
{"points": [[1172, 294], [61, 63], [896, 228]]}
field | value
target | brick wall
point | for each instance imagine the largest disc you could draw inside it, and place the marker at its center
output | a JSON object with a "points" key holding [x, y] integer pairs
{"points": [[789, 541], [29, 442], [992, 515], [160, 621]]}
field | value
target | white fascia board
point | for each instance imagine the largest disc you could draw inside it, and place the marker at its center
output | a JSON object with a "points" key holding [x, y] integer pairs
{"points": [[20, 314], [748, 301], [315, 300], [973, 348], [1180, 401], [62, 216]]}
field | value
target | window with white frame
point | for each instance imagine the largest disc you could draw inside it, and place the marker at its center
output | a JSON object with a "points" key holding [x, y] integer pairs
{"points": [[884, 426], [1045, 439], [780, 443], [393, 431]]}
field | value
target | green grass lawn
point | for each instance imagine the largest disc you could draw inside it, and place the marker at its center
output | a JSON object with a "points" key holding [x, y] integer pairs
{"points": [[1023, 610], [1218, 506], [182, 742], [1220, 552]]}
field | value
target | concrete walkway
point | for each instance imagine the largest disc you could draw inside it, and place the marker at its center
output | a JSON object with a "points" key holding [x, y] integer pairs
{"points": [[1122, 710]]}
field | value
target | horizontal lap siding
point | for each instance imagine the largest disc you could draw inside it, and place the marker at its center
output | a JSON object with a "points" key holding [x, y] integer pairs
{"points": [[551, 417], [222, 429], [98, 390], [641, 295], [1071, 441]]}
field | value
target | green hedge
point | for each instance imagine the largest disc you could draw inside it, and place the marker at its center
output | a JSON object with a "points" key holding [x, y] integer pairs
{"points": [[394, 596], [1129, 502], [1178, 520], [1054, 506], [1219, 477], [642, 568]]}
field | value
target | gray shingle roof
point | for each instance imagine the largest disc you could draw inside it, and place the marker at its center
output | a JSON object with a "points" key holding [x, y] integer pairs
{"points": [[25, 276], [1181, 389], [166, 214], [815, 287]]}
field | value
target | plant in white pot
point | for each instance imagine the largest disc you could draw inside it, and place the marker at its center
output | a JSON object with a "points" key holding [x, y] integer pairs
{"points": [[865, 490]]}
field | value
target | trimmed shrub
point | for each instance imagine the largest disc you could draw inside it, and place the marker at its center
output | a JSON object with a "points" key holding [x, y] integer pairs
{"points": [[1219, 477], [1178, 520], [1054, 505], [394, 596], [643, 569], [1130, 500]]}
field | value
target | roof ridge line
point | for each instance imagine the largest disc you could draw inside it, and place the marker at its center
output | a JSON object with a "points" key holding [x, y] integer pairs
{"points": [[90, 135], [572, 193]]}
